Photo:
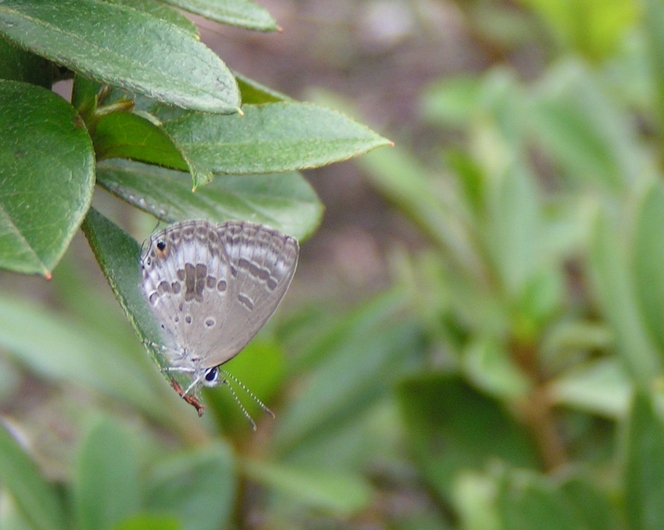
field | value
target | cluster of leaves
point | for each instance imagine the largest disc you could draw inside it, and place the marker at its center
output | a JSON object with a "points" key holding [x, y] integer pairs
{"points": [[514, 370], [145, 88], [153, 114], [542, 295]]}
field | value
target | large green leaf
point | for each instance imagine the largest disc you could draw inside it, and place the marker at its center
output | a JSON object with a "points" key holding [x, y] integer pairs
{"points": [[286, 201], [269, 138], [157, 9], [591, 502], [452, 428], [125, 47], [46, 176], [107, 485], [62, 350], [653, 18], [644, 465], [323, 489], [243, 13], [197, 487], [118, 254], [150, 522], [614, 285], [36, 498], [427, 200], [528, 501], [584, 131], [513, 230], [648, 260], [346, 382]]}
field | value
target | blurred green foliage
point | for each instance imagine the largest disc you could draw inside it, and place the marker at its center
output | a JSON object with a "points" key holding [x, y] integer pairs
{"points": [[510, 378]]}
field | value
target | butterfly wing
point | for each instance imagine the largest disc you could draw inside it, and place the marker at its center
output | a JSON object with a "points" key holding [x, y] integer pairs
{"points": [[212, 287], [262, 263], [185, 271]]}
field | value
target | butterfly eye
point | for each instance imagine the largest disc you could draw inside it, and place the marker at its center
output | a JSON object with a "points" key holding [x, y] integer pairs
{"points": [[211, 377]]}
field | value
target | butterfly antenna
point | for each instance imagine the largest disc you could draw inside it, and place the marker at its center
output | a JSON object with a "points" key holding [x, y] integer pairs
{"points": [[253, 396], [237, 400]]}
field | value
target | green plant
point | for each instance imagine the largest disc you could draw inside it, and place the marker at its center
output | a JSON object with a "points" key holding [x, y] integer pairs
{"points": [[510, 378], [146, 89], [538, 403], [159, 121]]}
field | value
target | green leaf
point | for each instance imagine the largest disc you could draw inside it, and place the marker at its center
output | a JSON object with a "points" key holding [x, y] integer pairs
{"points": [[653, 26], [18, 65], [341, 494], [341, 387], [242, 13], [399, 177], [118, 255], [285, 201], [452, 101], [591, 505], [527, 501], [600, 387], [35, 497], [615, 289], [593, 28], [158, 9], [124, 47], [273, 137], [648, 260], [128, 135], [12, 519], [542, 295], [107, 486], [61, 350], [253, 93], [584, 131], [513, 230], [489, 366], [46, 177], [448, 424], [150, 522], [475, 501], [198, 487], [644, 466]]}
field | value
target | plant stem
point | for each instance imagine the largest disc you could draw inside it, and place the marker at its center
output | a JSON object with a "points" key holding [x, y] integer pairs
{"points": [[538, 412]]}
